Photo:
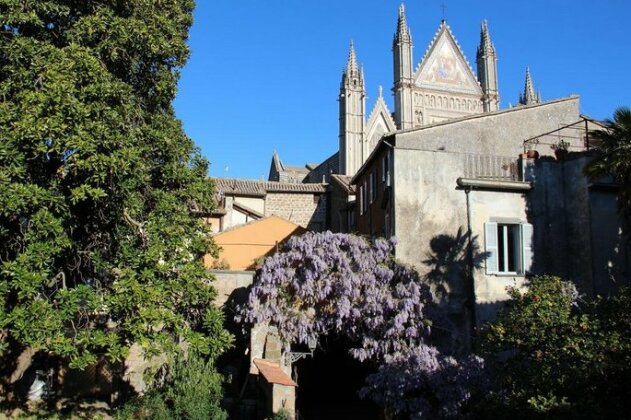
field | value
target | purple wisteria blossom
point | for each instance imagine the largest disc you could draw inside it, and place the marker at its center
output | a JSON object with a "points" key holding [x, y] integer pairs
{"points": [[322, 283], [423, 383]]}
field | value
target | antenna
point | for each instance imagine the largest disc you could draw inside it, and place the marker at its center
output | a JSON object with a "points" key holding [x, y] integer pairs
{"points": [[444, 7]]}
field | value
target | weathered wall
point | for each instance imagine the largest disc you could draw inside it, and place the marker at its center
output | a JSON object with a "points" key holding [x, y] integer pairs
{"points": [[492, 206], [577, 231], [255, 203], [426, 202], [338, 201], [231, 285], [235, 217], [611, 252], [431, 226], [307, 210], [499, 133], [373, 220]]}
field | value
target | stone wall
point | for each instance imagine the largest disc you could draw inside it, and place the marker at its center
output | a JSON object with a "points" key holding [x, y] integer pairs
{"points": [[305, 209], [231, 285]]}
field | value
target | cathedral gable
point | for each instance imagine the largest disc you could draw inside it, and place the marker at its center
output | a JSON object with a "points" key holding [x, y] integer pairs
{"points": [[445, 68], [379, 123]]}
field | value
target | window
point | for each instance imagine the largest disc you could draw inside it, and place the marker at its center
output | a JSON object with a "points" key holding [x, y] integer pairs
{"points": [[385, 169], [509, 247], [373, 186], [361, 199], [351, 221]]}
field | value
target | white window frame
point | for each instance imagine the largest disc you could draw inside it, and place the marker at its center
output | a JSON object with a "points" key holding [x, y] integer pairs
{"points": [[523, 240], [385, 170]]}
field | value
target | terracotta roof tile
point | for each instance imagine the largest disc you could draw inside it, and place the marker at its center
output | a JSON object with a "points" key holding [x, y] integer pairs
{"points": [[260, 188], [273, 373]]}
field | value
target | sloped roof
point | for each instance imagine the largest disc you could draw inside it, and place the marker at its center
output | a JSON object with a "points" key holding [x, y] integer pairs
{"points": [[344, 181], [252, 187], [273, 373]]}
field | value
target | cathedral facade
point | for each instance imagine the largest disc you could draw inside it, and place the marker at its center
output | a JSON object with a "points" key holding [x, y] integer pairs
{"points": [[441, 87]]}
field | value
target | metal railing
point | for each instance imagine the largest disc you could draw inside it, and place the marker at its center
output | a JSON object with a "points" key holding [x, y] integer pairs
{"points": [[491, 167]]}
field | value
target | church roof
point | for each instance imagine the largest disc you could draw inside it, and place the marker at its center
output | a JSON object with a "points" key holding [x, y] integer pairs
{"points": [[445, 67], [253, 187]]}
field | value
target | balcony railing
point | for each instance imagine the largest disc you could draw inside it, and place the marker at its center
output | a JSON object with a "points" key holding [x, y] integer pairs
{"points": [[491, 167]]}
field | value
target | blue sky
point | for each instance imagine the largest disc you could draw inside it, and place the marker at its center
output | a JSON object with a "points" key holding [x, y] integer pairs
{"points": [[264, 75]]}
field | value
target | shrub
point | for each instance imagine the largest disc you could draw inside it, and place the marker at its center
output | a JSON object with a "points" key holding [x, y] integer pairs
{"points": [[192, 391]]}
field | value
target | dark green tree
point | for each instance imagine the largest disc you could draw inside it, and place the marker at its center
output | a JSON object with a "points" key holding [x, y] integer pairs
{"points": [[557, 356], [613, 158], [100, 245]]}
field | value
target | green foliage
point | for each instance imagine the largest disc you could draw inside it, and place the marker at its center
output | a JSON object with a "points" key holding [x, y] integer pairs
{"points": [[613, 158], [193, 391], [149, 406], [99, 185], [558, 357], [281, 414]]}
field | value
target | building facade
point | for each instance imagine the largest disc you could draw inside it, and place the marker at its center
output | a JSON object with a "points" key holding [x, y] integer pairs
{"points": [[480, 203], [478, 197]]}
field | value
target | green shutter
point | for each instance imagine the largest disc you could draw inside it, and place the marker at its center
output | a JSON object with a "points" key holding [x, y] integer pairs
{"points": [[490, 242]]}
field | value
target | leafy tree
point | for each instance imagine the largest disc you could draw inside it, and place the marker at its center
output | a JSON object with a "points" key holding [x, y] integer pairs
{"points": [[613, 158], [558, 356], [99, 185], [192, 391], [323, 283]]}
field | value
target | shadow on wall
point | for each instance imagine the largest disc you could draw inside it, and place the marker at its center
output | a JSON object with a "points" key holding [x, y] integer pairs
{"points": [[451, 260], [576, 225]]}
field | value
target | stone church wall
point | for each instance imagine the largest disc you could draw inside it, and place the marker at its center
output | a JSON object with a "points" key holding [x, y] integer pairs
{"points": [[306, 210]]}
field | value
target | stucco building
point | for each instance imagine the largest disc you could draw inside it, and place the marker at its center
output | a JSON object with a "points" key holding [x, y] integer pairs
{"points": [[478, 197], [455, 178]]}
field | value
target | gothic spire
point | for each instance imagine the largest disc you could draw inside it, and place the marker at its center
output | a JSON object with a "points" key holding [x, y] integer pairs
{"points": [[403, 32], [529, 96], [487, 70], [402, 55], [351, 63], [352, 109], [486, 45], [352, 75]]}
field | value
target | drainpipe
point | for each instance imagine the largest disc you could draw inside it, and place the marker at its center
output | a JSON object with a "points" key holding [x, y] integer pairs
{"points": [[471, 268]]}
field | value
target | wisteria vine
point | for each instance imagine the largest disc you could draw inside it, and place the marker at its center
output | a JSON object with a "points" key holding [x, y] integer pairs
{"points": [[322, 283]]}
